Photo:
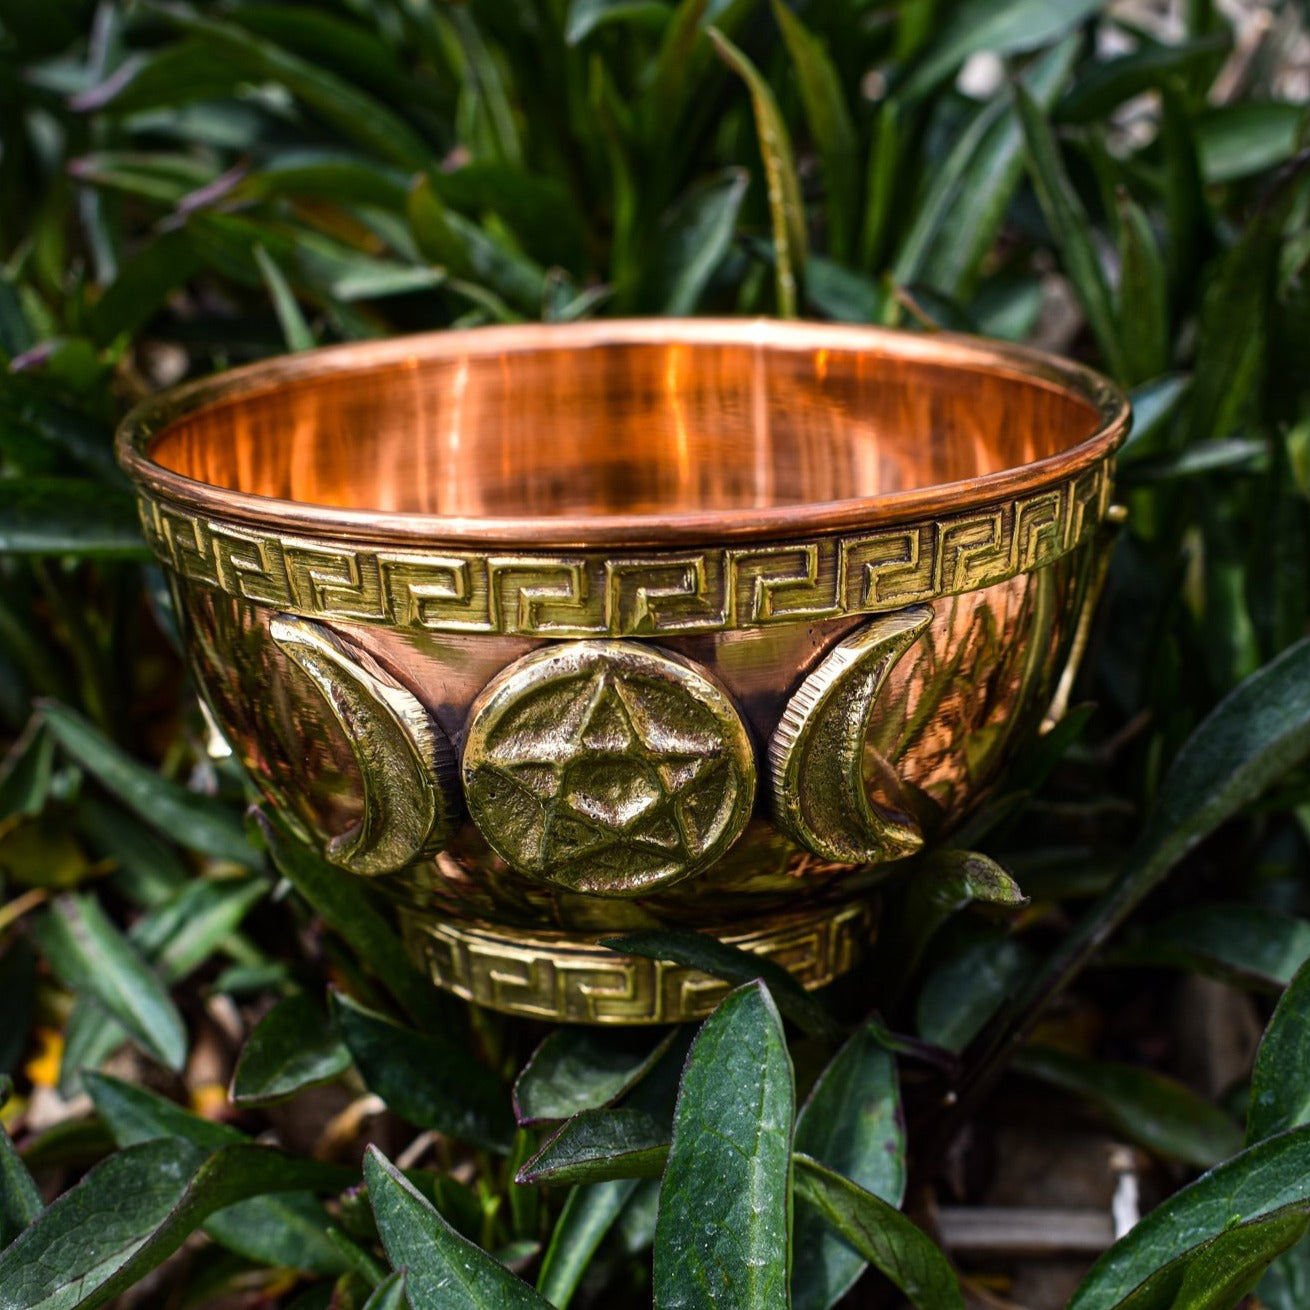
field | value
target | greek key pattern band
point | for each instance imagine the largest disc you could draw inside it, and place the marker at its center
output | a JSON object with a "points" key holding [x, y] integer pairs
{"points": [[570, 982], [588, 594]]}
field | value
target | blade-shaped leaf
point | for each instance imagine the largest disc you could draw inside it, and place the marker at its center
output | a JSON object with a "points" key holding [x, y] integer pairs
{"points": [[723, 1235], [587, 1215], [1154, 1111], [785, 207], [882, 1235], [91, 956], [389, 1294], [599, 1145], [851, 1122], [292, 1047], [68, 516], [708, 954], [426, 1079], [692, 240], [20, 1202], [962, 991], [130, 1213], [197, 822], [1265, 1180], [290, 316], [577, 1069], [1280, 1095], [441, 1267]]}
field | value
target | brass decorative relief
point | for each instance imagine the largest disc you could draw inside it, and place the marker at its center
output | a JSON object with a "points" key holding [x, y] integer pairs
{"points": [[817, 772], [607, 767], [406, 764], [674, 592]]}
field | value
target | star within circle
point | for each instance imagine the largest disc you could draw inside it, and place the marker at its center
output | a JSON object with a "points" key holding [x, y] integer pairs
{"points": [[615, 777]]}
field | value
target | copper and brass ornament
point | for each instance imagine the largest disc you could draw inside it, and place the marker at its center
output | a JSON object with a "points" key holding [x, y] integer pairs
{"points": [[567, 632]]}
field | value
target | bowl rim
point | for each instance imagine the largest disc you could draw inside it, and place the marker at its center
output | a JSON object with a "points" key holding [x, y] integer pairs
{"points": [[975, 354]]}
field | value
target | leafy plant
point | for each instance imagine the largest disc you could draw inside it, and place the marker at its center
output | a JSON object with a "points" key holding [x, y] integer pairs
{"points": [[186, 186]]}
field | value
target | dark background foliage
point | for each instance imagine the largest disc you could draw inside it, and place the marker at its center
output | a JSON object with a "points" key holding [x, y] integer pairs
{"points": [[184, 187]]}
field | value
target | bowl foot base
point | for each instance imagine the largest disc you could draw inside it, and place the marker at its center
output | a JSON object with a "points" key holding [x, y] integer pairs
{"points": [[568, 978]]}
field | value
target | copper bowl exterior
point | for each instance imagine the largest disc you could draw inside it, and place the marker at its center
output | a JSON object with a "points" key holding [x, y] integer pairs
{"points": [[568, 631]]}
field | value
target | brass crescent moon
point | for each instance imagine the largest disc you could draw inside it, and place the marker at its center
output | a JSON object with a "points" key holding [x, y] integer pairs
{"points": [[406, 763], [816, 754]]}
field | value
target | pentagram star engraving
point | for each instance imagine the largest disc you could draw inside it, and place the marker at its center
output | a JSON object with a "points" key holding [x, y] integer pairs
{"points": [[607, 768]]}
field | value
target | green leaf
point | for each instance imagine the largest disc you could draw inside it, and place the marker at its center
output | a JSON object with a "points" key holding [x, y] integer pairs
{"points": [[389, 1294], [692, 240], [851, 1122], [1280, 1093], [20, 1202], [587, 1215], [344, 903], [352, 112], [585, 16], [723, 1233], [954, 227], [195, 821], [1249, 945], [830, 125], [181, 933], [1143, 294], [786, 210], [941, 885], [577, 1069], [143, 284], [1071, 229], [91, 956], [130, 1213], [1269, 1180], [1000, 26], [1219, 1274], [1237, 140], [442, 1268], [293, 1047], [428, 1080], [295, 330], [699, 951], [1155, 409], [288, 1232], [1286, 1285], [68, 516], [1156, 1112], [598, 1146], [882, 1235], [26, 774], [963, 991], [1104, 84]]}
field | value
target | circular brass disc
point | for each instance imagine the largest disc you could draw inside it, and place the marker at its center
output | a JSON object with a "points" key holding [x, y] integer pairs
{"points": [[607, 767]]}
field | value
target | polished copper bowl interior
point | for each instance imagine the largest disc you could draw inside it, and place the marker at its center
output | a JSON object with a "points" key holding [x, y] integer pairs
{"points": [[626, 431]]}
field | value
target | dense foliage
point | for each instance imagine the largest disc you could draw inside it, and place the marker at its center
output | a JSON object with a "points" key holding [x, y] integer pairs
{"points": [[185, 186]]}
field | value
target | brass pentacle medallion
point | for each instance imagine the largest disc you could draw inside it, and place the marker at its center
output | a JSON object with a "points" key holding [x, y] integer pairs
{"points": [[607, 767], [817, 753], [406, 763]]}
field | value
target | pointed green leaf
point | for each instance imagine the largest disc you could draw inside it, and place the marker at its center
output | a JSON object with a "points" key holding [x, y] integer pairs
{"points": [[964, 990], [90, 955], [587, 1215], [723, 1233], [851, 1122], [389, 1294], [785, 207], [882, 1235], [295, 330], [197, 822], [130, 1213], [442, 1268], [692, 240], [1280, 1091], [20, 1202], [426, 1079], [600, 1145], [577, 1069], [293, 1047], [1269, 1180], [1071, 229], [1143, 294], [1236, 140], [1156, 1112]]}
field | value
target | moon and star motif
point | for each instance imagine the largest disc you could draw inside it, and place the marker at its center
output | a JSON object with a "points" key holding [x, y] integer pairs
{"points": [[607, 767]]}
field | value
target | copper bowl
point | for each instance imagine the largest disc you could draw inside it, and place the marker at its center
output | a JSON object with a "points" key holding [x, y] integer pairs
{"points": [[562, 632]]}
